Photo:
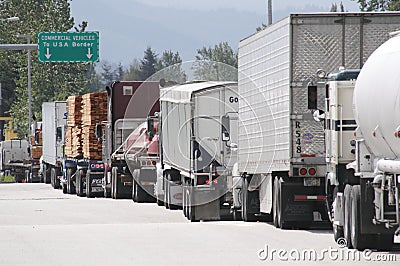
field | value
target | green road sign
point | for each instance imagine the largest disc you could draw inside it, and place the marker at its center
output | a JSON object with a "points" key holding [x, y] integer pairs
{"points": [[68, 46]]}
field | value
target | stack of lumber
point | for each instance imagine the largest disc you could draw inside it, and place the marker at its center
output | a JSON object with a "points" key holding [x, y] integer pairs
{"points": [[36, 144], [94, 111], [73, 135]]}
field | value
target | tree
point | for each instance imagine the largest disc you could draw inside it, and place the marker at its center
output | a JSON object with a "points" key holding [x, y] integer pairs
{"points": [[334, 7], [169, 68], [107, 74], [378, 5], [148, 64], [133, 71], [50, 81], [217, 63]]}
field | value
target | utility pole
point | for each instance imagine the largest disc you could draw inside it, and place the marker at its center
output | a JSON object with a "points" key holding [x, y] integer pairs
{"points": [[269, 12]]}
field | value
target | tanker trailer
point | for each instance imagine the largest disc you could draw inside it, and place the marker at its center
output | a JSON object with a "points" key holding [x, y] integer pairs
{"points": [[363, 150]]}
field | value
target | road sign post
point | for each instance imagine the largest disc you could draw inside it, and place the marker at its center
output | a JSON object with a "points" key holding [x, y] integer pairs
{"points": [[68, 46]]}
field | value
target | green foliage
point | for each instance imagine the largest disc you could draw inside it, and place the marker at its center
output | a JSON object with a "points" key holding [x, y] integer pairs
{"points": [[378, 5], [167, 67], [7, 179], [216, 63], [50, 81], [148, 64], [334, 7]]}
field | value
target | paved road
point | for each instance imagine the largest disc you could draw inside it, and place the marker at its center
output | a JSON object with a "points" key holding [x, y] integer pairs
{"points": [[41, 226]]}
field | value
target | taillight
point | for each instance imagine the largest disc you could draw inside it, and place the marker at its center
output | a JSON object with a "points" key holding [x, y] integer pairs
{"points": [[312, 171], [154, 162], [215, 181], [303, 171], [208, 181]]}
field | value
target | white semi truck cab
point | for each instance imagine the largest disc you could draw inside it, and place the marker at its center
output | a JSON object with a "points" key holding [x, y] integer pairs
{"points": [[363, 166]]}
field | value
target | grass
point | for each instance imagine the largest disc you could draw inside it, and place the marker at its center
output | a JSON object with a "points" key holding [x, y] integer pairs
{"points": [[7, 179]]}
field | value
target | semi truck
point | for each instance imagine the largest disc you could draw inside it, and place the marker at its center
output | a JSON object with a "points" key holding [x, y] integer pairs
{"points": [[15, 159], [198, 133], [82, 165], [281, 156], [129, 105], [54, 119], [362, 140]]}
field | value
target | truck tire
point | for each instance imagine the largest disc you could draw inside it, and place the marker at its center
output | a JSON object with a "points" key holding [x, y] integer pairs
{"points": [[246, 201], [79, 184], [166, 190], [89, 193], [64, 188], [115, 194], [384, 242], [358, 240], [276, 218], [70, 183], [184, 199], [347, 215], [46, 175], [56, 181], [134, 195], [280, 223]]}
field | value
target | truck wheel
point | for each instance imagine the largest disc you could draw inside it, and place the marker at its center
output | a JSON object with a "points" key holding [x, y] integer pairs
{"points": [[358, 240], [56, 181], [276, 218], [89, 193], [278, 206], [70, 182], [141, 194], [114, 183], [246, 201], [347, 215], [166, 191], [79, 185], [184, 199], [134, 189], [64, 188], [46, 176]]}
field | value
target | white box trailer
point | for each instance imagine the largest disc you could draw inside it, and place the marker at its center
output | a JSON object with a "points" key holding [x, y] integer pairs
{"points": [[15, 159], [281, 153], [54, 119], [198, 147]]}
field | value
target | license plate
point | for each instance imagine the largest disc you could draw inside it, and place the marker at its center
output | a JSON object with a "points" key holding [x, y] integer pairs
{"points": [[312, 182], [97, 189]]}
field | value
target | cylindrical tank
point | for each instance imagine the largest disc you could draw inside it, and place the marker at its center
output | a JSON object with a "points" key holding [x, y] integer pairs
{"points": [[377, 100]]}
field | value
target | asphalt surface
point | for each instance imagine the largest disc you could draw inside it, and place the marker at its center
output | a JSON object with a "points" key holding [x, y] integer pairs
{"points": [[42, 226]]}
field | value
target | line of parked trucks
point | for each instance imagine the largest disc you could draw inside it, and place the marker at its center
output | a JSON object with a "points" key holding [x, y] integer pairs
{"points": [[283, 144]]}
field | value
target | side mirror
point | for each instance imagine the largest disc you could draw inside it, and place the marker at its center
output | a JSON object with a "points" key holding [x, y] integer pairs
{"points": [[59, 134], [150, 127], [225, 128], [319, 115]]}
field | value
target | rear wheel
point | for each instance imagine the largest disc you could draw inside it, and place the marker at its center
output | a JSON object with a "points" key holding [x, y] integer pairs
{"points": [[79, 184], [191, 208], [115, 191], [70, 184], [358, 239], [54, 178], [89, 193], [247, 197], [46, 174], [166, 190], [347, 215]]}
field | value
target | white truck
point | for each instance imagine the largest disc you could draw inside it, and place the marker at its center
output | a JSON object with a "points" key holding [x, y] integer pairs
{"points": [[198, 133], [15, 159], [363, 178], [281, 155], [54, 119]]}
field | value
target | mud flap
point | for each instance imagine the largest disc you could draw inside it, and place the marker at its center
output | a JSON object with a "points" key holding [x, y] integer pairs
{"points": [[266, 194], [207, 203]]}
